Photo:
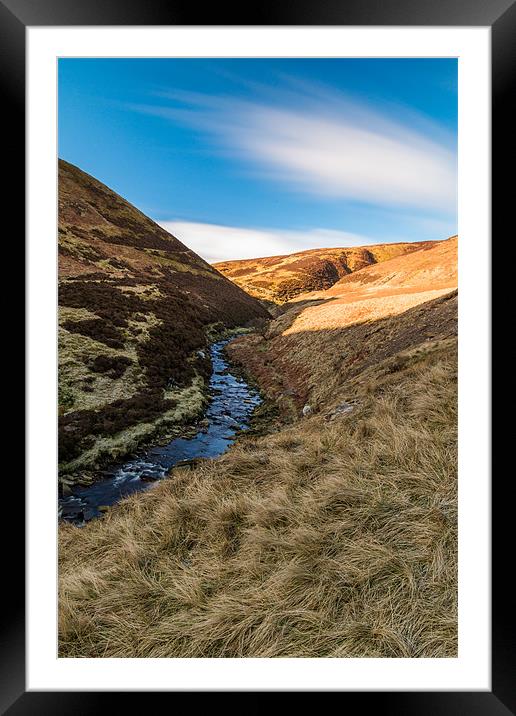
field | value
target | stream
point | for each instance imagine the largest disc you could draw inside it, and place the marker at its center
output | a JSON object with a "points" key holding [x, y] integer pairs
{"points": [[232, 402]]}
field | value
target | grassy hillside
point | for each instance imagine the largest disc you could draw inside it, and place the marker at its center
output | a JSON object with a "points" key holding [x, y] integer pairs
{"points": [[335, 535], [281, 278], [135, 308]]}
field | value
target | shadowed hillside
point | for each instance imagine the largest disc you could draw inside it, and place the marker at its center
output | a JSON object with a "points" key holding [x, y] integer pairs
{"points": [[281, 278], [135, 309]]}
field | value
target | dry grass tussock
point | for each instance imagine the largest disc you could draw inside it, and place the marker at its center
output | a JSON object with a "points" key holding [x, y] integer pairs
{"points": [[330, 538]]}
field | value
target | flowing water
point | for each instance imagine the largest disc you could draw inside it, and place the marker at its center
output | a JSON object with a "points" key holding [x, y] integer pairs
{"points": [[232, 402]]}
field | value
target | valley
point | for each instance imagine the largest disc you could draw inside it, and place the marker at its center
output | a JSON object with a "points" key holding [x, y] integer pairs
{"points": [[330, 527]]}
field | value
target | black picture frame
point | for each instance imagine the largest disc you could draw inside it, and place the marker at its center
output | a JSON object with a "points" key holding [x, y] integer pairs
{"points": [[500, 16]]}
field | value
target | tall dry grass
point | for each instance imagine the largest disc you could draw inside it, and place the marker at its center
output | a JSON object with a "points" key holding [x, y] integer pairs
{"points": [[330, 538]]}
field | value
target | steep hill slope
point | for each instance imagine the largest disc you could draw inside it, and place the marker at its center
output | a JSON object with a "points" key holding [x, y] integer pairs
{"points": [[135, 309], [281, 278]]}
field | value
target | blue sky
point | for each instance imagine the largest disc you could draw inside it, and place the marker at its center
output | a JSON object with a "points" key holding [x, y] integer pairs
{"points": [[254, 157]]}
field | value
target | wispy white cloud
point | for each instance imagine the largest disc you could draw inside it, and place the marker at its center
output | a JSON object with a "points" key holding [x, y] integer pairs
{"points": [[321, 143], [223, 243]]}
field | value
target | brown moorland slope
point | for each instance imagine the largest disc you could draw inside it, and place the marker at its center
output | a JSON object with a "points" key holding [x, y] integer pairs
{"points": [[281, 278], [333, 536], [324, 337], [135, 308]]}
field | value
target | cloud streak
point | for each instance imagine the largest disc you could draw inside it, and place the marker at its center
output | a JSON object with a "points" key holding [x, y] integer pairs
{"points": [[326, 145], [215, 242]]}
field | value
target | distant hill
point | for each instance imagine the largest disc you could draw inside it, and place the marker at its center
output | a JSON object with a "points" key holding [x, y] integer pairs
{"points": [[135, 309], [433, 265], [282, 278]]}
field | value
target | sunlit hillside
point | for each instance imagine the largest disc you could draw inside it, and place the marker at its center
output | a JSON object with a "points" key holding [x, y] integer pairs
{"points": [[282, 278]]}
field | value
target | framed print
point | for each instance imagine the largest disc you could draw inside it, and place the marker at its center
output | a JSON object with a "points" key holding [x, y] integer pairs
{"points": [[258, 352]]}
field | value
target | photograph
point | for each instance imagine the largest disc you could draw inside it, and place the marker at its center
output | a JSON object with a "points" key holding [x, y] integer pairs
{"points": [[259, 252], [260, 249], [257, 357]]}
